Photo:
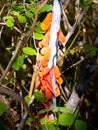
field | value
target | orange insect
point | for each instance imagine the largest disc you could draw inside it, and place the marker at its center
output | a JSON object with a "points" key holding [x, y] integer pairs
{"points": [[44, 77]]}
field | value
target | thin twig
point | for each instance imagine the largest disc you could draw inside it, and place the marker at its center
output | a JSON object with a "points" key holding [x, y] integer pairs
{"points": [[66, 52], [77, 8], [4, 24], [70, 32], [66, 3], [66, 19], [79, 19], [73, 65], [12, 60], [35, 43], [25, 115], [33, 81], [2, 9]]}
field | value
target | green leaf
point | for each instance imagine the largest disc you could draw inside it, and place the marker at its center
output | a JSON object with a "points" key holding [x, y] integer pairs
{"points": [[82, 4], [66, 119], [44, 120], [24, 66], [86, 48], [16, 13], [37, 36], [80, 125], [47, 124], [85, 4], [10, 49], [86, 45], [61, 109], [33, 10], [29, 51], [42, 111], [27, 99], [29, 120], [46, 8], [2, 108], [38, 29], [9, 23], [93, 51], [18, 8], [72, 51], [29, 14], [22, 19], [49, 127], [18, 63], [40, 96], [76, 113], [9, 17]]}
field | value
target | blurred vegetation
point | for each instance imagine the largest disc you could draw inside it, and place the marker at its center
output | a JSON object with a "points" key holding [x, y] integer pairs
{"points": [[16, 19]]}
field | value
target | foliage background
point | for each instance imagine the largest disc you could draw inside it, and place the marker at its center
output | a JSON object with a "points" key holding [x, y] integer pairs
{"points": [[16, 21]]}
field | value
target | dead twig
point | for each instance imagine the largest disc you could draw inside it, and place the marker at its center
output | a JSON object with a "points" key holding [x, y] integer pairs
{"points": [[71, 31], [33, 81], [73, 65], [2, 9]]}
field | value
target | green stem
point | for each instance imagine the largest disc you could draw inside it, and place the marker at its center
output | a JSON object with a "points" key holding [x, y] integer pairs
{"points": [[72, 42], [69, 46]]}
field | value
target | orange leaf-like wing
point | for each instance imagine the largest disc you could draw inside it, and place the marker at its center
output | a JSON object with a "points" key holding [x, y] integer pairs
{"points": [[46, 22], [57, 72], [57, 91], [59, 80], [61, 37]]}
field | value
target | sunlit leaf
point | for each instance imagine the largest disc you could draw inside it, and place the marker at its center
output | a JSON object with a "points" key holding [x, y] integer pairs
{"points": [[46, 8], [61, 109], [27, 99], [33, 10], [44, 120], [29, 14], [72, 51], [49, 126], [66, 119], [9, 23], [37, 36], [10, 48], [29, 51], [22, 19], [16, 13], [8, 17], [24, 66]]}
